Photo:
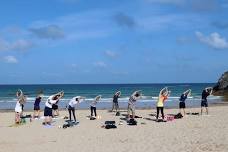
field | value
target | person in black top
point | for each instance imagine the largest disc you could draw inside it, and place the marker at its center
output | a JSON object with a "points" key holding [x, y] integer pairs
{"points": [[115, 104], [182, 99], [206, 92], [37, 106]]}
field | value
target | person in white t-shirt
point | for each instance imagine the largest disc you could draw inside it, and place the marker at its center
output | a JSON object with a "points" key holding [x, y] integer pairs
{"points": [[48, 107], [72, 104], [93, 106], [18, 108], [131, 103]]}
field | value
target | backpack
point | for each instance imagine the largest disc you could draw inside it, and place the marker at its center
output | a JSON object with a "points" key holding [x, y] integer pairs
{"points": [[117, 113], [178, 116], [110, 125], [132, 122]]}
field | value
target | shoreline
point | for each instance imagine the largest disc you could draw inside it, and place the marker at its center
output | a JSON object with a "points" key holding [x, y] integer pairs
{"points": [[218, 104]]}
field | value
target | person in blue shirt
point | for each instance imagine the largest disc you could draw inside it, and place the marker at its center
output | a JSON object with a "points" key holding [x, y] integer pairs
{"points": [[115, 104], [37, 106], [182, 99], [204, 104]]}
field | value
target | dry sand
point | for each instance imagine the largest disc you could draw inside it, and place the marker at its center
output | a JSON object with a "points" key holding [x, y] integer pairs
{"points": [[190, 134]]}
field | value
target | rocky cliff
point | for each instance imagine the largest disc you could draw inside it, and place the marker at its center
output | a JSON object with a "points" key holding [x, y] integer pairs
{"points": [[221, 88]]}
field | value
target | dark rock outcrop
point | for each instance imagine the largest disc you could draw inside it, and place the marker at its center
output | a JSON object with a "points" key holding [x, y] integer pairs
{"points": [[221, 88]]}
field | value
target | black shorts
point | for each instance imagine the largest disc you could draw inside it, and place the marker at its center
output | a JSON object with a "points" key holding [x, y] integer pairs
{"points": [[204, 103], [36, 107], [47, 112], [182, 105], [55, 107]]}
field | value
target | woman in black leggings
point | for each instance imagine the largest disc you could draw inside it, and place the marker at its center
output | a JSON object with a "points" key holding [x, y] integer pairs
{"points": [[162, 112], [71, 110], [163, 95], [71, 107], [93, 110], [93, 105]]}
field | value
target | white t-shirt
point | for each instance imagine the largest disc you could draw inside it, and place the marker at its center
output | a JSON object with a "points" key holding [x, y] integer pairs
{"points": [[94, 103], [73, 102], [132, 100], [50, 102], [18, 107]]}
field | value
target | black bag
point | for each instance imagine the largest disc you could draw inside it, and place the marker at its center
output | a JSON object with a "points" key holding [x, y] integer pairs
{"points": [[178, 116], [92, 118], [117, 113], [132, 122], [66, 125], [110, 124]]}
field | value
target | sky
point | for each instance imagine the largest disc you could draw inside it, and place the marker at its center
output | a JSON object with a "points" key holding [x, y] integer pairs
{"points": [[113, 41]]}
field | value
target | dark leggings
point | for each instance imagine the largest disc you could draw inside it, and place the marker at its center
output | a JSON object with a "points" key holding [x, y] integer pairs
{"points": [[71, 109], [162, 112], [93, 109]]}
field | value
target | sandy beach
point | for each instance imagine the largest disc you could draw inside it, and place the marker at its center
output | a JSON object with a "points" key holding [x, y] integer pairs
{"points": [[192, 133]]}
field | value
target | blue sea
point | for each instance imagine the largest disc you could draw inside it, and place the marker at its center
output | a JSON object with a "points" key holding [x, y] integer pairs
{"points": [[150, 93]]}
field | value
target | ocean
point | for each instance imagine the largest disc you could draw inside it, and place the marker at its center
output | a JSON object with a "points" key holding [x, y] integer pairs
{"points": [[150, 94]]}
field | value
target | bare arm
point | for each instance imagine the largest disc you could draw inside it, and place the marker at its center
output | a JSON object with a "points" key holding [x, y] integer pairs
{"points": [[164, 89], [188, 92], [98, 98]]}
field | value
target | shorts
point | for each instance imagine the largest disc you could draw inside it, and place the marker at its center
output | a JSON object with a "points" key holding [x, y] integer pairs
{"points": [[182, 105], [131, 108], [55, 107], [36, 108], [204, 103], [115, 105], [47, 112]]}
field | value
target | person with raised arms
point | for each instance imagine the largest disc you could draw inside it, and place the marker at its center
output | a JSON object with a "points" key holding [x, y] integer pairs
{"points": [[93, 104], [115, 104], [21, 99], [163, 95], [72, 104], [48, 107], [182, 99], [37, 105], [204, 104], [131, 104]]}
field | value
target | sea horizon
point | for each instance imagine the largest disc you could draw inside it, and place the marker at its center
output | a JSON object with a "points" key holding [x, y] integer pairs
{"points": [[150, 93], [109, 83]]}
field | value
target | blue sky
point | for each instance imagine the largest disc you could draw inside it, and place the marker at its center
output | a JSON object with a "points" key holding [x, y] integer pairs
{"points": [[113, 41]]}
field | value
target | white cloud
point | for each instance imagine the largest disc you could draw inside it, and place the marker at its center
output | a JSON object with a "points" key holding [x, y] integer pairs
{"points": [[214, 40], [124, 20], [18, 45], [74, 65], [111, 54], [158, 22], [10, 59], [100, 64], [4, 45], [48, 32], [83, 25], [193, 5], [21, 45]]}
